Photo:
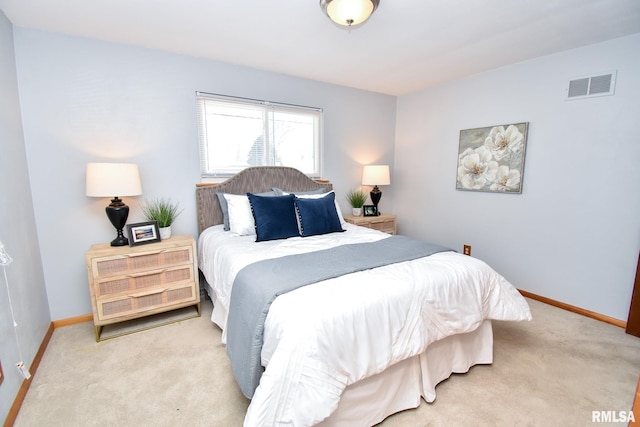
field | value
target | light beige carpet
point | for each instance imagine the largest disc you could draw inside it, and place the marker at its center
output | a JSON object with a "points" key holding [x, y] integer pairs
{"points": [[553, 371]]}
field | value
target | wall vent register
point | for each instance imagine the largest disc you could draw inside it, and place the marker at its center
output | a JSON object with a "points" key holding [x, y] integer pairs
{"points": [[600, 84]]}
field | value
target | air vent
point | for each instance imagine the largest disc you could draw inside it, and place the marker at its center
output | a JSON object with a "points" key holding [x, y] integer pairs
{"points": [[601, 84]]}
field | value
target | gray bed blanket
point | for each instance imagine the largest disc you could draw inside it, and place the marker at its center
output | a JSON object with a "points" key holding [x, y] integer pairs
{"points": [[258, 284]]}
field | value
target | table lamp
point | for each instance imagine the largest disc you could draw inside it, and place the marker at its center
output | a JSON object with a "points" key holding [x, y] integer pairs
{"points": [[376, 175], [114, 180]]}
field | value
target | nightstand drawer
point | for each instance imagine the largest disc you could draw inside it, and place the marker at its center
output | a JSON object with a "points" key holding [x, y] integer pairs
{"points": [[143, 280], [388, 226], [383, 222], [143, 261], [136, 303]]}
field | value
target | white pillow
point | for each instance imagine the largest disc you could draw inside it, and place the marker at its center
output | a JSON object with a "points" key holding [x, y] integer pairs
{"points": [[319, 196], [240, 217]]}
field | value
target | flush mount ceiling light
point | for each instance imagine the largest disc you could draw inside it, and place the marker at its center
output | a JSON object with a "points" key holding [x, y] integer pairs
{"points": [[349, 13]]}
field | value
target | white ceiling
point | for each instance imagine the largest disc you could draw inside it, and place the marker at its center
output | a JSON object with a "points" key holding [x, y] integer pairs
{"points": [[407, 45]]}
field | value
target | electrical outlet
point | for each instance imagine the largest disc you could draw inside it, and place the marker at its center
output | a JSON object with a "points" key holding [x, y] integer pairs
{"points": [[467, 250]]}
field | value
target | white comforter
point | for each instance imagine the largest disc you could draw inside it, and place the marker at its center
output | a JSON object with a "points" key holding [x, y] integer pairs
{"points": [[321, 338]]}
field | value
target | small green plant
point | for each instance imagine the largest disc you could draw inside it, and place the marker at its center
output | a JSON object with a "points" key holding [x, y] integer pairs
{"points": [[164, 211], [357, 198]]}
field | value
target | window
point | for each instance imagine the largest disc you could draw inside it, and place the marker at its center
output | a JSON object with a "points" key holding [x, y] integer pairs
{"points": [[236, 133]]}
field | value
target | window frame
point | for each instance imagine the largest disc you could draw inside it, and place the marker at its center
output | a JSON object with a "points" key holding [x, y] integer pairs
{"points": [[267, 107]]}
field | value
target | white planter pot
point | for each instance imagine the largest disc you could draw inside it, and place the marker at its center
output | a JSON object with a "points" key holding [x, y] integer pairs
{"points": [[356, 211], [165, 232]]}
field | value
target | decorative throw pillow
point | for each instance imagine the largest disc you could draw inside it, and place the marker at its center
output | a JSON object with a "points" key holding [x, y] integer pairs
{"points": [[240, 216], [275, 217], [318, 196], [318, 215], [225, 208]]}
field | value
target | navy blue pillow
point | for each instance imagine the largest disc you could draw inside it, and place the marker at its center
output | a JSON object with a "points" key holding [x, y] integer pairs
{"points": [[318, 216], [275, 217]]}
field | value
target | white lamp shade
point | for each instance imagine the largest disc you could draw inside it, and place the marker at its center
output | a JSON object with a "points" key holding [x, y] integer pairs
{"points": [[376, 175], [113, 180], [349, 12]]}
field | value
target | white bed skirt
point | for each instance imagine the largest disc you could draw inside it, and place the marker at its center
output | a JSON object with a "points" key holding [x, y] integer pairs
{"points": [[401, 386]]}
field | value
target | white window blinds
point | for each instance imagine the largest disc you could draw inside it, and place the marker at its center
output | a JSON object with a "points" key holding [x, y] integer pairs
{"points": [[236, 133]]}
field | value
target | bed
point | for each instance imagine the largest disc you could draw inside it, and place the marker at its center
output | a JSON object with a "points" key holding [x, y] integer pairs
{"points": [[354, 348]]}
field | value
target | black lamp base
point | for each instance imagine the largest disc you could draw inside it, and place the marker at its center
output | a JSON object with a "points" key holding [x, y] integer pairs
{"points": [[375, 195], [120, 240], [117, 212]]}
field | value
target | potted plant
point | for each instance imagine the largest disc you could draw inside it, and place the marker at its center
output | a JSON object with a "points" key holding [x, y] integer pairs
{"points": [[357, 199], [164, 211]]}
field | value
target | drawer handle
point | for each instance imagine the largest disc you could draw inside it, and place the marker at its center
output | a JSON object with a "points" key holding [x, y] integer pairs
{"points": [[146, 273], [145, 254], [145, 294]]}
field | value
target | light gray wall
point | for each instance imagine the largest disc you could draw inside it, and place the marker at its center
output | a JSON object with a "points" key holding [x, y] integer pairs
{"points": [[84, 100], [24, 275], [573, 234]]}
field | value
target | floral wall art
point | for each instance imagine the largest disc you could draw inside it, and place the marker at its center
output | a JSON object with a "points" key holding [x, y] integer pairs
{"points": [[492, 158]]}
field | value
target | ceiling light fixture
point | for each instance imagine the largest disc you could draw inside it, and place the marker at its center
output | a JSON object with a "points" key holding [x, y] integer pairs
{"points": [[349, 13]]}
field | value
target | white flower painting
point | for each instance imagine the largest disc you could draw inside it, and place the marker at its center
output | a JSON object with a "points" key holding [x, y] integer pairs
{"points": [[492, 158]]}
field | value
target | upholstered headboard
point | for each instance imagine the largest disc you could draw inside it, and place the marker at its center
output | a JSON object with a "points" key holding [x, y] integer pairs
{"points": [[257, 179]]}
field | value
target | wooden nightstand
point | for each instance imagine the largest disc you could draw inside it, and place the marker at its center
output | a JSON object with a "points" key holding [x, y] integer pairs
{"points": [[154, 280], [382, 222]]}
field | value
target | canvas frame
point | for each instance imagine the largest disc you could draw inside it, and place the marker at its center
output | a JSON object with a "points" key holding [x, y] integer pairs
{"points": [[491, 159]]}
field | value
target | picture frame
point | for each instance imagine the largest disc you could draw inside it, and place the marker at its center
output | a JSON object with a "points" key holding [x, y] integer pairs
{"points": [[370, 210], [142, 233], [491, 159]]}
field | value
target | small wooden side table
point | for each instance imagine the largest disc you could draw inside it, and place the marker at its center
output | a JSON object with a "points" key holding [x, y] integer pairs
{"points": [[383, 222], [130, 283]]}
